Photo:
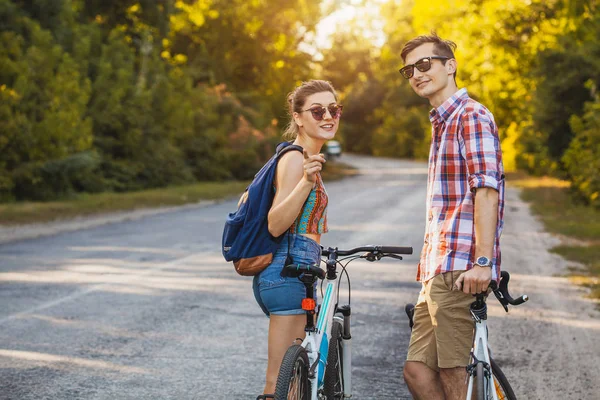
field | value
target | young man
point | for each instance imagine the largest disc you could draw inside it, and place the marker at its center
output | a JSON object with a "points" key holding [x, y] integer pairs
{"points": [[465, 206]]}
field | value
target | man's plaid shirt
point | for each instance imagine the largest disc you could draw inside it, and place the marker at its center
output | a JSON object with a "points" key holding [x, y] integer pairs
{"points": [[465, 155]]}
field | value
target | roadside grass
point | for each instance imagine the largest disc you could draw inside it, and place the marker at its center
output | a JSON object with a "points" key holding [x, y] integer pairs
{"points": [[91, 204], [579, 224]]}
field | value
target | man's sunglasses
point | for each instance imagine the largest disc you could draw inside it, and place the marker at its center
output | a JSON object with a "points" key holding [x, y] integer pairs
{"points": [[424, 64], [318, 112]]}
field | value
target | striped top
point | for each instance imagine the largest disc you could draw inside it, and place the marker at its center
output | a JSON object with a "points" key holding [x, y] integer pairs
{"points": [[313, 216], [465, 155]]}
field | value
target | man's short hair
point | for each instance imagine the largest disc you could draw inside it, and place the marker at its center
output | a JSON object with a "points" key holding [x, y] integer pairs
{"points": [[441, 46]]}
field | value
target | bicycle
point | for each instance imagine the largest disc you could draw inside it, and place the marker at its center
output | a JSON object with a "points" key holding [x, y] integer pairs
{"points": [[482, 366], [319, 367]]}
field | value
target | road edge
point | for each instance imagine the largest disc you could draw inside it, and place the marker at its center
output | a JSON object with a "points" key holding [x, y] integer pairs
{"points": [[13, 233]]}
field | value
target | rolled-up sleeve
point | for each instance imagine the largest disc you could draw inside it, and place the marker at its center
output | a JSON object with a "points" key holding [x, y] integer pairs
{"points": [[480, 146]]}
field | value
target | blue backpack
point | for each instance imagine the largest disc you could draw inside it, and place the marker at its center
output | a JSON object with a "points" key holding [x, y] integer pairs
{"points": [[246, 238]]}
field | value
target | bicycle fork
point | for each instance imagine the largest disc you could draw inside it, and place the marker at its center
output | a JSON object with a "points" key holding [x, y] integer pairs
{"points": [[346, 350], [480, 354]]}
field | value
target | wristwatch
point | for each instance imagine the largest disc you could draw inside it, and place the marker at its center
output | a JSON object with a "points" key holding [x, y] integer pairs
{"points": [[483, 261]]}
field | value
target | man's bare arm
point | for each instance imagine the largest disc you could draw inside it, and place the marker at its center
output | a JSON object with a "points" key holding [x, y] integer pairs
{"points": [[477, 279]]}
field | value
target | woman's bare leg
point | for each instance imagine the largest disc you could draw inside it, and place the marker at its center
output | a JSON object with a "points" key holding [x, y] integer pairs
{"points": [[283, 330]]}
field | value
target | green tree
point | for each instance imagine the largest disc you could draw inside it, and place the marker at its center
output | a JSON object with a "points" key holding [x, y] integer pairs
{"points": [[582, 158], [348, 64], [45, 107], [251, 46]]}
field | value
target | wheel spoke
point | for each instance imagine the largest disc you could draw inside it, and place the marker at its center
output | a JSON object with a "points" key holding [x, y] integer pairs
{"points": [[501, 384], [296, 388], [338, 366], [292, 382], [499, 391]]}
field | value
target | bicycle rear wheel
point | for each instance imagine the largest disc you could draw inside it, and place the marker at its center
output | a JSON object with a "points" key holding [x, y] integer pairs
{"points": [[503, 389], [334, 382], [292, 381]]}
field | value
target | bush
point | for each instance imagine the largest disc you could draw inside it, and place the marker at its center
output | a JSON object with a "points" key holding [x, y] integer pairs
{"points": [[582, 159], [50, 180]]}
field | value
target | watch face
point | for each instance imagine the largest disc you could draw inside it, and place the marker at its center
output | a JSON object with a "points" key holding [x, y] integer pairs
{"points": [[483, 261]]}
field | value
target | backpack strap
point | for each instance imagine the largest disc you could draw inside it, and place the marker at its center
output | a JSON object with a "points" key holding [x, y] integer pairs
{"points": [[284, 147]]}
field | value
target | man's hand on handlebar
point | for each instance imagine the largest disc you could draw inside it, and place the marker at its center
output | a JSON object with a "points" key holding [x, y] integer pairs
{"points": [[474, 281]]}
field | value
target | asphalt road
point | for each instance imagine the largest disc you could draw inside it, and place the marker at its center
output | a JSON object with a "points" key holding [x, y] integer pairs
{"points": [[148, 309]]}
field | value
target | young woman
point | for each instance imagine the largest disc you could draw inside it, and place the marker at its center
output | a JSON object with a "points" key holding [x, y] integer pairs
{"points": [[299, 212]]}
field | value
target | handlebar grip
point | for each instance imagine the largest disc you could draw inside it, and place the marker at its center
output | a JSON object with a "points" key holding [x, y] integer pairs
{"points": [[519, 300], [397, 249]]}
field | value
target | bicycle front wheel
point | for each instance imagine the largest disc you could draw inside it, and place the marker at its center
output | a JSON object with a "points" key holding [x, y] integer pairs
{"points": [[334, 383], [293, 382], [502, 387], [480, 382]]}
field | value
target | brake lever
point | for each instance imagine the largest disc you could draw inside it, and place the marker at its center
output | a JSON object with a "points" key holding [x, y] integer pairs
{"points": [[377, 255], [372, 256], [501, 299]]}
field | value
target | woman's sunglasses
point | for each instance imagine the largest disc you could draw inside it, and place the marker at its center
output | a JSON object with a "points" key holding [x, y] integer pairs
{"points": [[318, 112], [424, 64]]}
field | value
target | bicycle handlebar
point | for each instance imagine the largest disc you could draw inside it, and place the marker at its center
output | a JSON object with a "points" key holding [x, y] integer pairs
{"points": [[371, 249], [501, 292], [373, 253]]}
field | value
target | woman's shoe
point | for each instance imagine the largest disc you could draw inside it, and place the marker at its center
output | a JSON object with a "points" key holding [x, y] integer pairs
{"points": [[265, 397]]}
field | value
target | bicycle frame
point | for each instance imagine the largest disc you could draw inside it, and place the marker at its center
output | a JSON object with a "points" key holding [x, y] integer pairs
{"points": [[316, 343], [481, 353]]}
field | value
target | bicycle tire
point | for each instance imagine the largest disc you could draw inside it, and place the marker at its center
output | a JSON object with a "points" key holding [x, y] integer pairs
{"points": [[480, 381], [333, 386], [503, 389], [293, 375]]}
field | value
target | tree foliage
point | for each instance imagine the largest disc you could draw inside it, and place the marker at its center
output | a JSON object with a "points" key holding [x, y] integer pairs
{"points": [[531, 62], [125, 95], [117, 96]]}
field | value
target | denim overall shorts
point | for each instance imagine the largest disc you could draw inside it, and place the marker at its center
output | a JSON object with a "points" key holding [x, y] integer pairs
{"points": [[280, 295]]}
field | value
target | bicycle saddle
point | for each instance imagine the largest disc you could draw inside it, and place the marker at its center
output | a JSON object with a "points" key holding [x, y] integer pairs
{"points": [[295, 270]]}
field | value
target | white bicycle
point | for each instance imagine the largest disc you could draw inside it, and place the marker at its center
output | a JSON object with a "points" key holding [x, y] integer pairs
{"points": [[319, 367], [482, 367]]}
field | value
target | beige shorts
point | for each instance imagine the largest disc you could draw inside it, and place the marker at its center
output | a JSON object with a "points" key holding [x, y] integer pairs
{"points": [[442, 335]]}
